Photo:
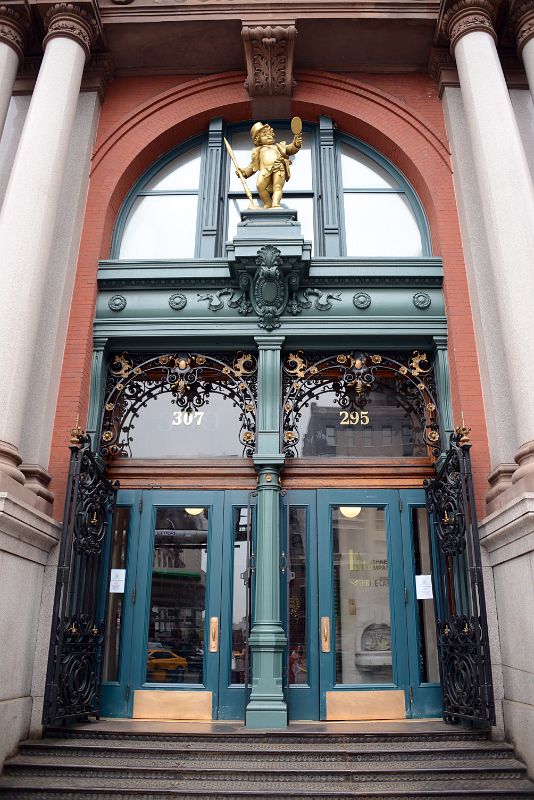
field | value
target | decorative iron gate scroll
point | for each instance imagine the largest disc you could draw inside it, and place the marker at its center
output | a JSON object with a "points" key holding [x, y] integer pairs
{"points": [[462, 629], [74, 660]]}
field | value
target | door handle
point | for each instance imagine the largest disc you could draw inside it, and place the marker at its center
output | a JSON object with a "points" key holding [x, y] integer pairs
{"points": [[325, 634], [214, 634]]}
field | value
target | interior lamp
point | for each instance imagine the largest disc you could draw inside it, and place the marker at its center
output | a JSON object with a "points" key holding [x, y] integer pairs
{"points": [[350, 512]]}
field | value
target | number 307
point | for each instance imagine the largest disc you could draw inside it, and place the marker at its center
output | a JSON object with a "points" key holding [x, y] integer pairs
{"points": [[354, 418], [187, 417]]}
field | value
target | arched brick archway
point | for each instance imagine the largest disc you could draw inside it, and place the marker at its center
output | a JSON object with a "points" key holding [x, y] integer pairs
{"points": [[127, 145]]}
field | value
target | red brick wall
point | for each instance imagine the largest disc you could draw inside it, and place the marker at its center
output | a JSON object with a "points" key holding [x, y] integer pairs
{"points": [[142, 118]]}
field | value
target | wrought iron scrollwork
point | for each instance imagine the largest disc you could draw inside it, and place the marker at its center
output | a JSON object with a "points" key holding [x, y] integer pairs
{"points": [[352, 376], [191, 378], [462, 630], [73, 675]]}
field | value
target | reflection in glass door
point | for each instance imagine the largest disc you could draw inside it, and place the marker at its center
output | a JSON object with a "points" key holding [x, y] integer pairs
{"points": [[361, 596], [177, 607]]}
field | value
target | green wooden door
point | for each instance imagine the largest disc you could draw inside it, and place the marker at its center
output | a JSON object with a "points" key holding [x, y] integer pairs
{"points": [[354, 622], [182, 611]]}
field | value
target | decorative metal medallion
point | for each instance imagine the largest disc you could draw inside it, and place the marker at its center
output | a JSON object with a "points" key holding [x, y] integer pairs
{"points": [[362, 300], [117, 302], [191, 378], [177, 301], [421, 300], [269, 287], [73, 676], [352, 376], [462, 630]]}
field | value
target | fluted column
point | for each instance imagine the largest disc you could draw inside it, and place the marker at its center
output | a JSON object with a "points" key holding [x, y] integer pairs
{"points": [[28, 215], [507, 204], [523, 23], [13, 32]]}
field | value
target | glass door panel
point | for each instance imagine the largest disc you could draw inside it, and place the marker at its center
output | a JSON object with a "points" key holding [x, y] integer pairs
{"points": [[300, 604], [420, 611], [361, 598], [177, 609], [361, 603], [236, 603], [118, 590]]}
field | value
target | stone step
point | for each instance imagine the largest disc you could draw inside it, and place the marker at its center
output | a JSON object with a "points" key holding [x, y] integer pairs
{"points": [[301, 753], [271, 760], [48, 789], [277, 773], [286, 737]]}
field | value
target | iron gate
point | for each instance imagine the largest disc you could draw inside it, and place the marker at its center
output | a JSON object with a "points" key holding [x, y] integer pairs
{"points": [[462, 629], [73, 673]]}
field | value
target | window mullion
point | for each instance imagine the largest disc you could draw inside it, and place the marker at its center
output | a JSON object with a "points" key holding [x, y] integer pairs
{"points": [[209, 194]]}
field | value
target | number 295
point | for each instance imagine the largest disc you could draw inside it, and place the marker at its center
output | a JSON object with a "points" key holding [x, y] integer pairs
{"points": [[354, 418]]}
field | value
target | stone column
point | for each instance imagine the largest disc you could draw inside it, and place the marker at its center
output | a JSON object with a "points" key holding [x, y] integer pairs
{"points": [[267, 707], [523, 22], [29, 213], [507, 206], [13, 31]]}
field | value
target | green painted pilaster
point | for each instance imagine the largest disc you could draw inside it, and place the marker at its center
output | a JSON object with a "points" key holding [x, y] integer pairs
{"points": [[210, 200], [329, 203], [267, 707], [443, 386], [98, 378]]}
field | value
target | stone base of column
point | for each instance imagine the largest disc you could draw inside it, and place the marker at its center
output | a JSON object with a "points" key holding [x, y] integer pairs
{"points": [[37, 480], [9, 462], [500, 481], [507, 536], [523, 477]]}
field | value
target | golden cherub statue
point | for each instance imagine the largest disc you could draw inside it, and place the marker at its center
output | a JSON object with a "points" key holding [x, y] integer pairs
{"points": [[271, 160]]}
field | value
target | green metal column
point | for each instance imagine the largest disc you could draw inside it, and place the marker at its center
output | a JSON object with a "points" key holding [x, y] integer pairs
{"points": [[98, 379], [443, 386], [267, 707]]}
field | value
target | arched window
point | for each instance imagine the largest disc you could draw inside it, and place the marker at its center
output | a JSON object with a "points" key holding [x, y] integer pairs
{"points": [[160, 216], [187, 204]]}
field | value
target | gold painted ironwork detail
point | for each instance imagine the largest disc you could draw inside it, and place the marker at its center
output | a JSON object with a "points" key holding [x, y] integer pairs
{"points": [[190, 378], [352, 376], [76, 433]]}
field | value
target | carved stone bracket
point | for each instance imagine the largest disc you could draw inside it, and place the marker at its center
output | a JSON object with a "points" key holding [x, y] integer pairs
{"points": [[522, 22], [71, 21], [269, 59], [14, 29], [467, 16]]}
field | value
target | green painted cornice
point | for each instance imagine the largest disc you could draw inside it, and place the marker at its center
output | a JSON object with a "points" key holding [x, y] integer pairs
{"points": [[115, 274]]}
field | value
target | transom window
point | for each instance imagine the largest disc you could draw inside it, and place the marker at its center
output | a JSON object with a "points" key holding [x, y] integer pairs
{"points": [[350, 200]]}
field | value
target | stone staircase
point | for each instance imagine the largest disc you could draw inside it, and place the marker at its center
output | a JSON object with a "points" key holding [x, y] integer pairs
{"points": [[289, 765]]}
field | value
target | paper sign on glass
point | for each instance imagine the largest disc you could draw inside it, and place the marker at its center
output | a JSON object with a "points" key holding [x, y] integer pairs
{"points": [[116, 581], [423, 587]]}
